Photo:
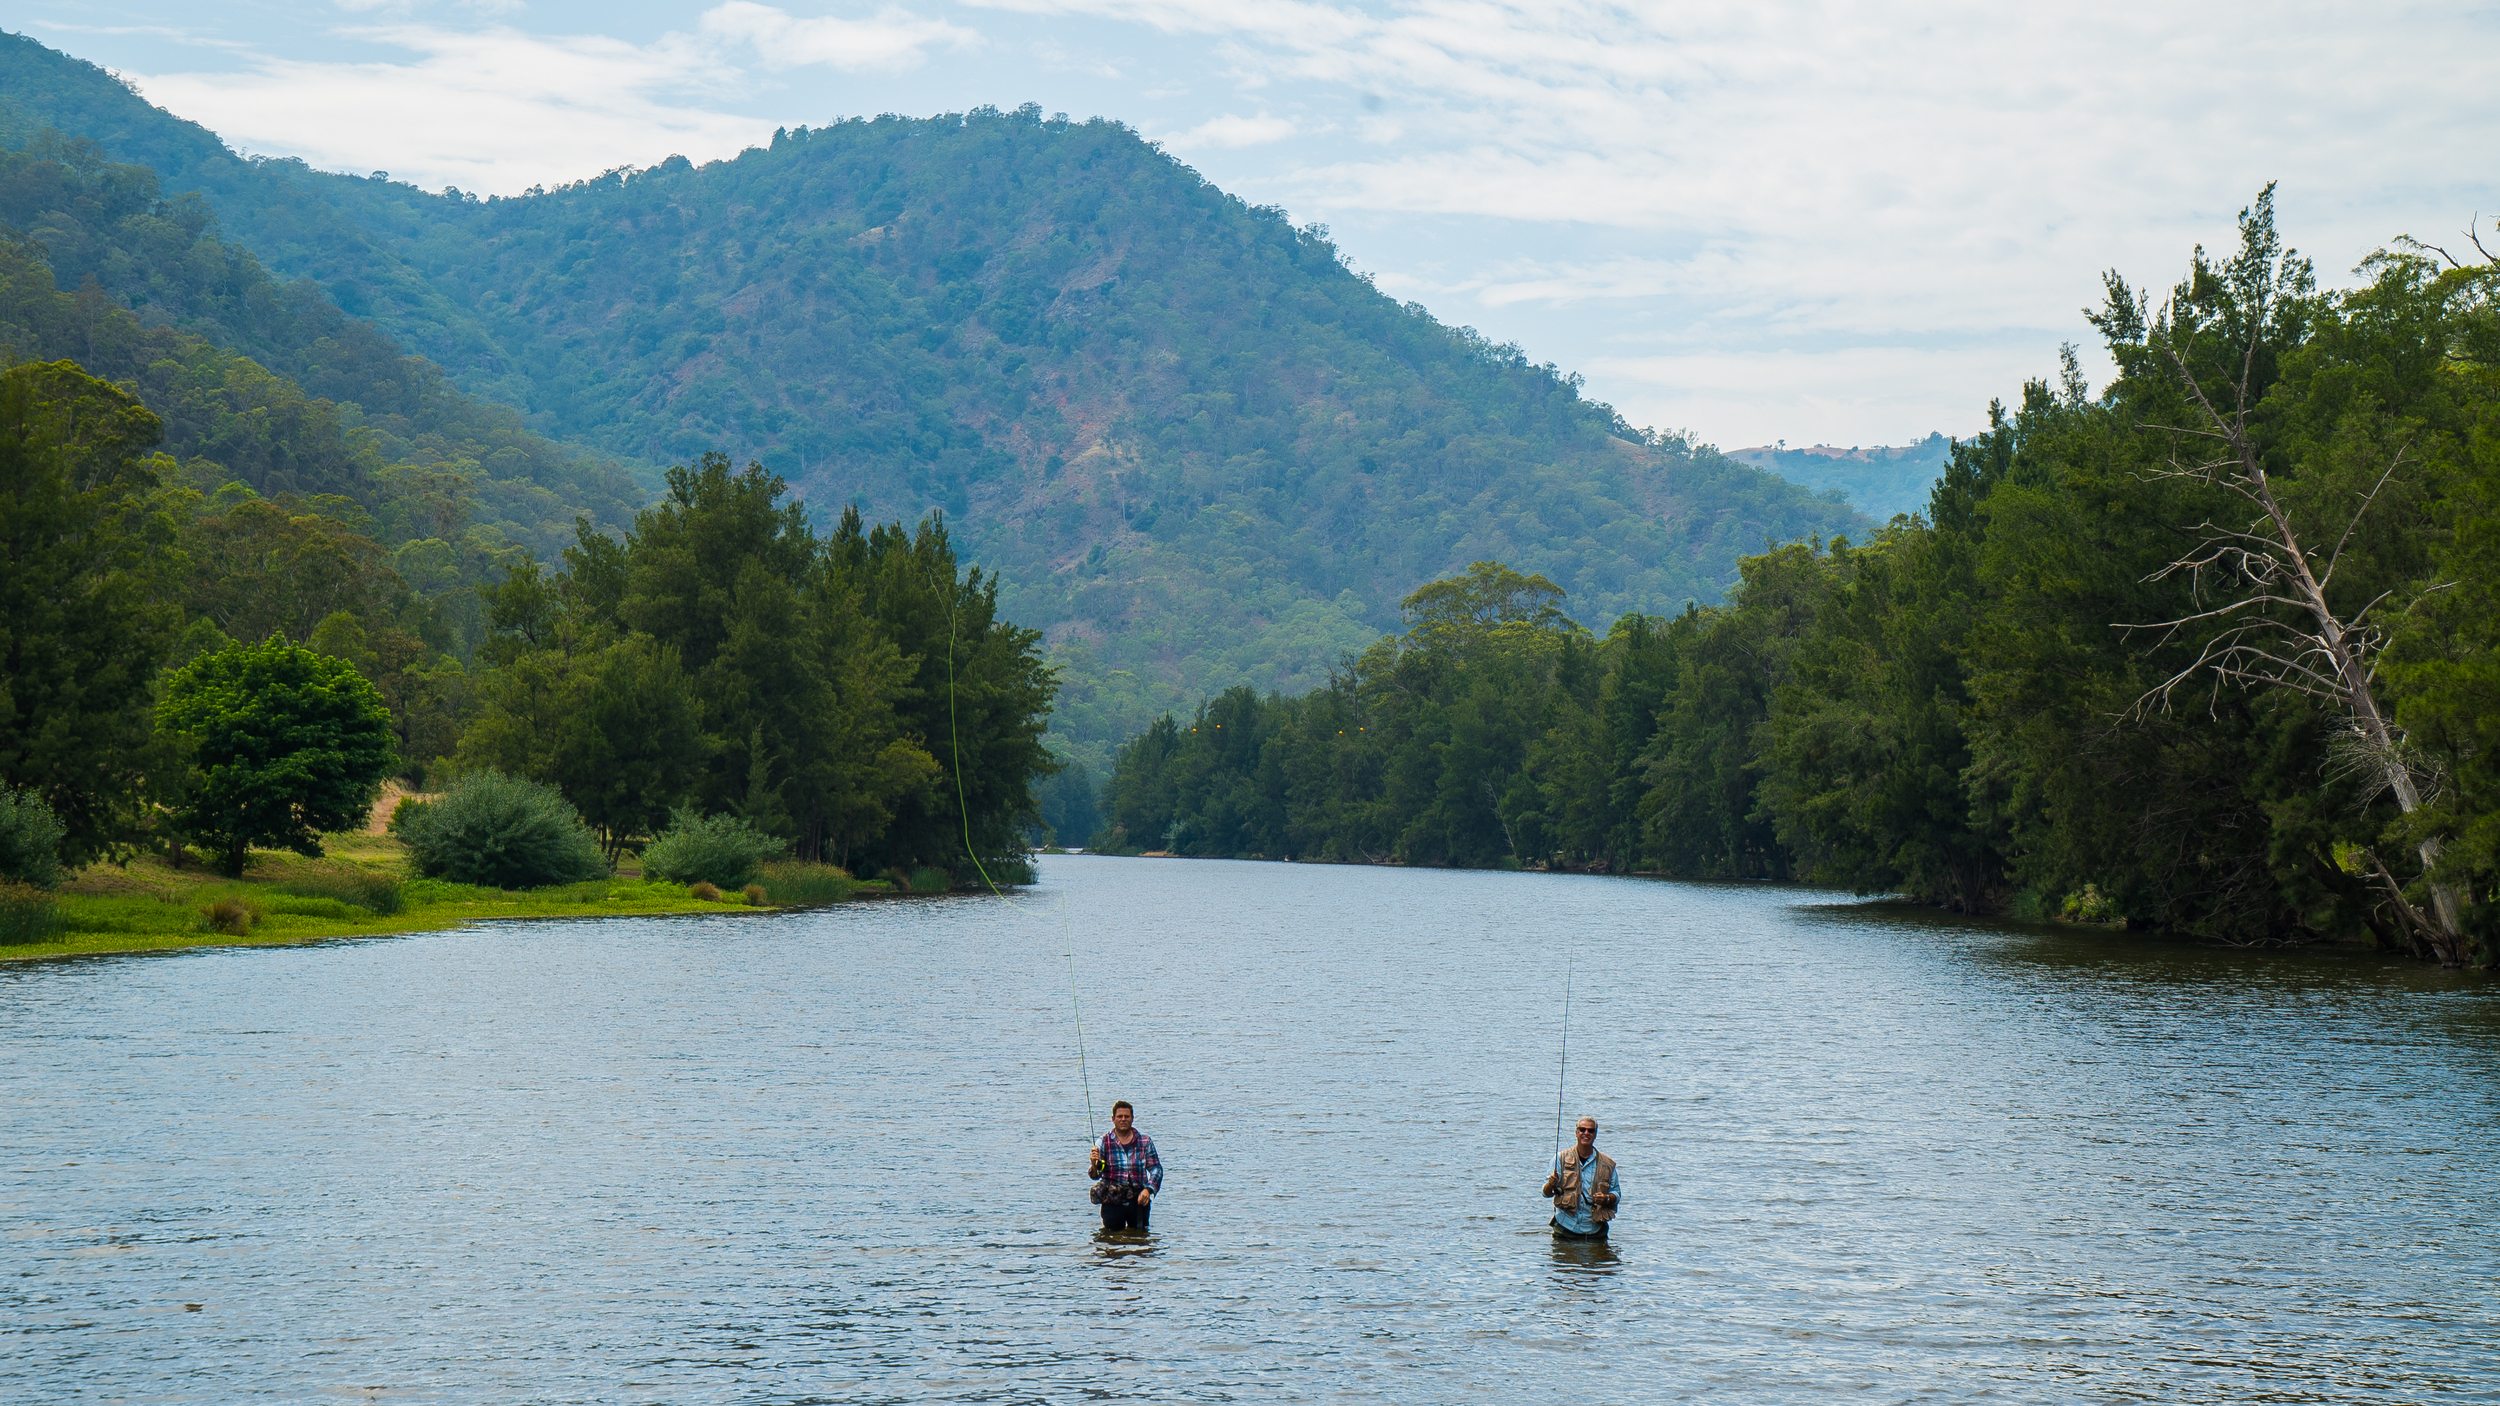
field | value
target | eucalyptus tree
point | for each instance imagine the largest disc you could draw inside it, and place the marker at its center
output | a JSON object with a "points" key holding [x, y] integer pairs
{"points": [[2300, 563]]}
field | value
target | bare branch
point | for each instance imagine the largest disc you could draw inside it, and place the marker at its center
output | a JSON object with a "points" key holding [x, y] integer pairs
{"points": [[2451, 258], [2357, 513]]}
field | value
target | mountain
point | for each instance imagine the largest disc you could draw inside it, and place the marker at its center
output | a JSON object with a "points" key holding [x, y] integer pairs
{"points": [[1200, 449], [1881, 480], [266, 385]]}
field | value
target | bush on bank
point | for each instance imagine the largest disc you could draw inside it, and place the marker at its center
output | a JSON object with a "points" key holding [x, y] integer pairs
{"points": [[723, 850], [30, 840], [501, 832]]}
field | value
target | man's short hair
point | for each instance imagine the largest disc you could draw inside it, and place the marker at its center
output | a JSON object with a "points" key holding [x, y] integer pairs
{"points": [[1590, 1121], [1123, 1103]]}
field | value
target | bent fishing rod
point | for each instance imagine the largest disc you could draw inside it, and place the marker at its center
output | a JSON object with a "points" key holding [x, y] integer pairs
{"points": [[963, 812], [1565, 1065]]}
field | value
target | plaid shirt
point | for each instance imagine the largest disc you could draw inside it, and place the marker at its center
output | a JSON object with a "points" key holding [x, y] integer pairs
{"points": [[1133, 1165]]}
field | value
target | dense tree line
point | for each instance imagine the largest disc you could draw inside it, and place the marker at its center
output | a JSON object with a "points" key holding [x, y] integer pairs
{"points": [[856, 694], [2209, 650], [855, 697]]}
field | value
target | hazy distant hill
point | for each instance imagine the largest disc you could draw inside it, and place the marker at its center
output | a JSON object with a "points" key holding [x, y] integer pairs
{"points": [[1878, 480], [1201, 449]]}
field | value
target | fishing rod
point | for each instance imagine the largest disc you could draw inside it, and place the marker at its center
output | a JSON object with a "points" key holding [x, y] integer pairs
{"points": [[1070, 935], [1566, 1059], [963, 812]]}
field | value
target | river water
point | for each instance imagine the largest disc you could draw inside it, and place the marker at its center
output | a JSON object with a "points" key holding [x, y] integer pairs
{"points": [[836, 1156]]}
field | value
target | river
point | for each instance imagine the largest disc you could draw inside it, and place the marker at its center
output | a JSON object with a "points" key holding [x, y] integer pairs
{"points": [[835, 1156]]}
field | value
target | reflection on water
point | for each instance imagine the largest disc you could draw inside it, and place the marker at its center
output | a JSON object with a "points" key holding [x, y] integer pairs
{"points": [[830, 1157], [1572, 1254]]}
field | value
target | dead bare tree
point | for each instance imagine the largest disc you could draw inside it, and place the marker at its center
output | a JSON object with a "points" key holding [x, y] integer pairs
{"points": [[2276, 620]]}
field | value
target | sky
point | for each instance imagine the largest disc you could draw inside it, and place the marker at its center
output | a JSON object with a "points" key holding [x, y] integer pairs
{"points": [[1817, 223]]}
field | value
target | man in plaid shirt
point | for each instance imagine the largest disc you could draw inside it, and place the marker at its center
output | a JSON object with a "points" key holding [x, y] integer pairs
{"points": [[1130, 1173]]}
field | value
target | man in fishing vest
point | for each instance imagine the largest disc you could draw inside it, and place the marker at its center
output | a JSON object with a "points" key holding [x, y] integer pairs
{"points": [[1126, 1172], [1584, 1186]]}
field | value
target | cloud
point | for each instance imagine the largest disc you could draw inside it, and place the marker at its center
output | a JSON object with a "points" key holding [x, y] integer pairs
{"points": [[496, 110], [1877, 162], [892, 40], [1849, 395], [1871, 210], [1230, 131], [448, 117]]}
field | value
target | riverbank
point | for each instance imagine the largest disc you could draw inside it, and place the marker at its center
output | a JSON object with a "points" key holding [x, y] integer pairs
{"points": [[360, 888]]}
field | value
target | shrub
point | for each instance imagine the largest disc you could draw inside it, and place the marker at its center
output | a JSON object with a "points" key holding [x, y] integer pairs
{"points": [[378, 894], [30, 840], [928, 880], [717, 849], [231, 916], [502, 832], [703, 891], [791, 882], [403, 808], [2090, 906], [27, 913], [755, 895]]}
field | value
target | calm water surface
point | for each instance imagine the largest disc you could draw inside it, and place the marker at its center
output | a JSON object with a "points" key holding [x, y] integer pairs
{"points": [[836, 1156]]}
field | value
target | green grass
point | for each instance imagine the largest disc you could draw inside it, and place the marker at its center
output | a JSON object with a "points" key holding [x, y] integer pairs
{"points": [[149, 905]]}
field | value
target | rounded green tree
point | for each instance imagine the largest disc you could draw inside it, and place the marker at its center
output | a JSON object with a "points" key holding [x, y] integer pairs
{"points": [[286, 744]]}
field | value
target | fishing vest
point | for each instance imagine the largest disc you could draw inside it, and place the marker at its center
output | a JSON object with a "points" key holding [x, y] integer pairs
{"points": [[1567, 1193]]}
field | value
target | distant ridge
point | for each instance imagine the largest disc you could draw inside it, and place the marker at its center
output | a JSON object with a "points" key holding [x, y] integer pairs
{"points": [[1878, 480], [1201, 449]]}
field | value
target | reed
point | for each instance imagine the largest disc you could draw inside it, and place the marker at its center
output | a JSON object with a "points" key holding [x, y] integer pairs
{"points": [[232, 916], [797, 883]]}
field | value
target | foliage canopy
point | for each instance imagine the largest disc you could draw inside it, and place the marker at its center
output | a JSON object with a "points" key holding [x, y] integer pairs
{"points": [[285, 744]]}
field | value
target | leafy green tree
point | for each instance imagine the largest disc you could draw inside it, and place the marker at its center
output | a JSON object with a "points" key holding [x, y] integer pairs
{"points": [[977, 698], [83, 614], [1700, 777], [1865, 747], [286, 744], [617, 729], [799, 686], [256, 569]]}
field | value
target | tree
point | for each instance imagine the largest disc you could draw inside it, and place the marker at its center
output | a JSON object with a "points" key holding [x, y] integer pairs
{"points": [[84, 619], [617, 729], [975, 695], [286, 744], [2271, 612], [256, 568]]}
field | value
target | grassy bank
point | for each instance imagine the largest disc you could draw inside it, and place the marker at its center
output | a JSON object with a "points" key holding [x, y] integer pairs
{"points": [[360, 888]]}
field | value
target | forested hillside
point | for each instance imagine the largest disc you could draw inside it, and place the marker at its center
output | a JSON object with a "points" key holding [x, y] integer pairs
{"points": [[2210, 650], [268, 382], [1196, 446]]}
